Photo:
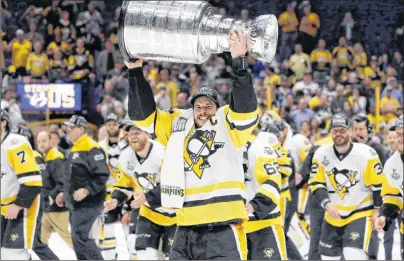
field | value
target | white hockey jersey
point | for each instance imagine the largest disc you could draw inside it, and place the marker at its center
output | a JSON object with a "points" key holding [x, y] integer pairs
{"points": [[298, 146], [112, 157], [144, 174], [18, 166], [349, 179], [263, 182], [392, 189]]}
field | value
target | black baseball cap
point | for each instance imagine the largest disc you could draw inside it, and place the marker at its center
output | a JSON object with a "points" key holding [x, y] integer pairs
{"points": [[112, 117], [207, 92], [76, 121], [340, 120]]}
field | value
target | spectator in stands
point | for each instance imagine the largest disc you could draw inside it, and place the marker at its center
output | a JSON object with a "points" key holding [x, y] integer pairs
{"points": [[288, 23], [33, 35], [182, 100], [302, 113], [315, 101], [57, 66], [396, 92], [321, 62], [374, 73], [305, 128], [347, 26], [271, 80], [344, 56], [309, 25], [68, 30], [162, 98], [171, 88], [398, 64], [52, 15], [65, 48], [389, 105], [20, 48], [245, 17], [106, 59], [31, 16], [10, 79], [38, 63], [289, 101], [357, 102], [307, 85], [360, 60], [299, 62], [337, 104], [55, 140], [80, 62]]}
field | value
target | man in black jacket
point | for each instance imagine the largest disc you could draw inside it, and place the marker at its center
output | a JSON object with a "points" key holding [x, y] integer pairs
{"points": [[84, 189], [56, 218]]}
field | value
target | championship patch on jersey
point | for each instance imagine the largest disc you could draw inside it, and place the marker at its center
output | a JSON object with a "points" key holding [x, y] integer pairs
{"points": [[325, 161], [269, 151], [200, 146], [395, 175], [373, 153], [342, 180], [130, 166]]}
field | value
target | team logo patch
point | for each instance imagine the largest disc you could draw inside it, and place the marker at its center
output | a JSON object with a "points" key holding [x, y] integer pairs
{"points": [[146, 180], [269, 252], [325, 162], [342, 180], [200, 146], [14, 237], [395, 175], [354, 236]]}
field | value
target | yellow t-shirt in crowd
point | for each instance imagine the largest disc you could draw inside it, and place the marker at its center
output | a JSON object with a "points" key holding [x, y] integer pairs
{"points": [[37, 64], [321, 57], [20, 52], [310, 24], [288, 22], [314, 102], [275, 80], [344, 56], [389, 103]]}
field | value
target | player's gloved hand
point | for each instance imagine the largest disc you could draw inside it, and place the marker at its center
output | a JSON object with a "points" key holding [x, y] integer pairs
{"points": [[12, 211], [332, 211], [379, 223], [137, 64], [110, 204], [139, 200]]}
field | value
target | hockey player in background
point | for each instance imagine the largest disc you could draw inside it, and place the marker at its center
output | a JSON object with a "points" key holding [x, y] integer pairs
{"points": [[112, 147], [139, 176], [346, 180], [21, 183], [392, 189], [202, 174], [265, 234]]}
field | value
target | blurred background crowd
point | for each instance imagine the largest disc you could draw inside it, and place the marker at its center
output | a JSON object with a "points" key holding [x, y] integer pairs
{"points": [[332, 56]]}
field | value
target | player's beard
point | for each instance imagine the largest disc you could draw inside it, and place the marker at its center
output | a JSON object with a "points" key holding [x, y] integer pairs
{"points": [[340, 141], [113, 134]]}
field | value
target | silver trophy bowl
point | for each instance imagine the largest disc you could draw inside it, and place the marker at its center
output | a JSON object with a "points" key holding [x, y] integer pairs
{"points": [[188, 32]]}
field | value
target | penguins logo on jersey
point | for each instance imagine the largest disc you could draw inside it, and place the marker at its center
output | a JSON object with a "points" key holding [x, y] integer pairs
{"points": [[146, 180], [269, 252], [200, 147], [342, 180]]}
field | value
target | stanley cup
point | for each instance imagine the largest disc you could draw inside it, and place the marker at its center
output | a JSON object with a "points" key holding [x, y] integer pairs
{"points": [[188, 32]]}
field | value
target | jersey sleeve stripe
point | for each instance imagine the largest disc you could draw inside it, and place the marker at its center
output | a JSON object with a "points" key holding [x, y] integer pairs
{"points": [[213, 200], [242, 125], [30, 178]]}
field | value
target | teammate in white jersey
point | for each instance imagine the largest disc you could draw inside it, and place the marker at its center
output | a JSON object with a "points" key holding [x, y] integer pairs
{"points": [[112, 148], [346, 179], [21, 182], [139, 175], [392, 189]]}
